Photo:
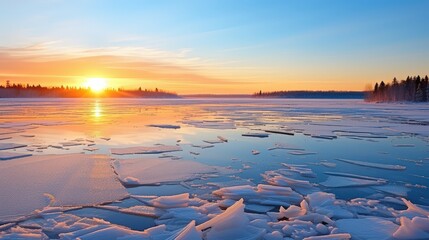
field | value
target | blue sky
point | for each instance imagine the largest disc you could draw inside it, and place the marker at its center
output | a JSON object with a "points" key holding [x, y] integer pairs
{"points": [[273, 45]]}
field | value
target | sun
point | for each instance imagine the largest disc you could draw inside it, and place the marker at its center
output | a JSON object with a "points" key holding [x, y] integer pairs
{"points": [[96, 84]]}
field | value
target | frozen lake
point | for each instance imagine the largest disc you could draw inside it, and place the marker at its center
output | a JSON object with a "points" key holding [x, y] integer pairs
{"points": [[67, 161]]}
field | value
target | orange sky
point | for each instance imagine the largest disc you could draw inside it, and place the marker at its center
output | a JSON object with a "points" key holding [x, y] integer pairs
{"points": [[42, 65]]}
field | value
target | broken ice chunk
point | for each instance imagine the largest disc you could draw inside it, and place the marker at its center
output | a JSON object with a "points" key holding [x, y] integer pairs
{"points": [[164, 126], [27, 135], [146, 150], [231, 224], [393, 189], [222, 139], [174, 201], [403, 145], [70, 144], [91, 149], [416, 228], [12, 155], [373, 165], [211, 124], [202, 145], [413, 210], [259, 135], [303, 171], [213, 141], [293, 211], [301, 186], [336, 182], [189, 232], [255, 152], [6, 146], [285, 146], [157, 171], [300, 152], [337, 236], [262, 194], [326, 204], [280, 132]]}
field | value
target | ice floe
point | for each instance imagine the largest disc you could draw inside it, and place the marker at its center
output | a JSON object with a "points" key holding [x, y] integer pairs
{"points": [[34, 182], [156, 171], [258, 135], [12, 155], [277, 179], [367, 228], [336, 181], [261, 194], [211, 124], [6, 146], [164, 126], [373, 165], [146, 150], [231, 224]]}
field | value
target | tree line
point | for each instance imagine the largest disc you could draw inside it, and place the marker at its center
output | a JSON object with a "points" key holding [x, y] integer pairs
{"points": [[311, 94], [13, 90], [413, 89]]}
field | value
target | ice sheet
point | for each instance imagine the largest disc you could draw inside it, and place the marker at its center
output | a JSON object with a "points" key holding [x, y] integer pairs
{"points": [[155, 171], [171, 126], [146, 150], [373, 165], [336, 181], [367, 228], [12, 155], [6, 146], [34, 182]]}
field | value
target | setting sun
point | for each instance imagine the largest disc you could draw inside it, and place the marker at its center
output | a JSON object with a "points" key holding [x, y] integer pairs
{"points": [[96, 84]]}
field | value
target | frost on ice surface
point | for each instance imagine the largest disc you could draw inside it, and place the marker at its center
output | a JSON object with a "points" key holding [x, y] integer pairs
{"points": [[156, 171], [373, 165], [12, 155], [146, 150], [164, 126], [68, 180]]}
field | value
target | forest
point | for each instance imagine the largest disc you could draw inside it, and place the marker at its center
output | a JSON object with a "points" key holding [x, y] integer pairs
{"points": [[411, 89], [38, 91]]}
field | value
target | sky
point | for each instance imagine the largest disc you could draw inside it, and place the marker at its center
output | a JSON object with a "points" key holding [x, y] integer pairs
{"points": [[213, 47]]}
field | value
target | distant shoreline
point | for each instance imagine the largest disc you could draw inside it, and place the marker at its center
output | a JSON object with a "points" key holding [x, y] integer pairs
{"points": [[276, 95]]}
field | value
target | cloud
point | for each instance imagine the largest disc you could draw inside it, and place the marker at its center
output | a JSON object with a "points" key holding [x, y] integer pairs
{"points": [[133, 64]]}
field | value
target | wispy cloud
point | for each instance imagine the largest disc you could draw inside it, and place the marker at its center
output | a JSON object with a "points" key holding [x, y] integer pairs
{"points": [[50, 60]]}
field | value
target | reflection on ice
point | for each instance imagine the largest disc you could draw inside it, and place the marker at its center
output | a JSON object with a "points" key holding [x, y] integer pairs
{"points": [[268, 183]]}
